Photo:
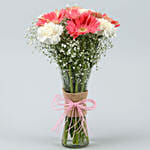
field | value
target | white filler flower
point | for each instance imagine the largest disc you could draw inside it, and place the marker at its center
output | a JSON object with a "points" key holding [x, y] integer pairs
{"points": [[107, 29], [49, 33]]}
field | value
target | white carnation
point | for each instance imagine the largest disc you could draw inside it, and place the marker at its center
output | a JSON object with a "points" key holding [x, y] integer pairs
{"points": [[49, 33], [81, 10], [107, 29]]}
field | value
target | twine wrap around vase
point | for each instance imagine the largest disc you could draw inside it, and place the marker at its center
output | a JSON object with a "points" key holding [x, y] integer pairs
{"points": [[74, 97], [74, 105]]}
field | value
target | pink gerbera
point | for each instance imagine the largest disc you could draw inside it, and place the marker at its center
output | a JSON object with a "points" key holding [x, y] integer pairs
{"points": [[72, 13], [86, 23], [55, 17]]}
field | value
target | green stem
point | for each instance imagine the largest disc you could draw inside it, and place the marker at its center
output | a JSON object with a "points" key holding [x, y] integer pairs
{"points": [[76, 85], [86, 136], [80, 133], [71, 91], [83, 80], [66, 131], [74, 134], [77, 134], [70, 76]]}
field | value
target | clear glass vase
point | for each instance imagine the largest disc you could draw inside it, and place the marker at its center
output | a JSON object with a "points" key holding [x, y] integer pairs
{"points": [[75, 137]]}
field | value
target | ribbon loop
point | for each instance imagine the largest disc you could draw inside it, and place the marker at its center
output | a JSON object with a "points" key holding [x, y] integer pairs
{"points": [[70, 108]]}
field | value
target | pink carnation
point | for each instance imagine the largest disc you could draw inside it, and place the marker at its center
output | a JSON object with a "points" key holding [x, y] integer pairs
{"points": [[116, 23]]}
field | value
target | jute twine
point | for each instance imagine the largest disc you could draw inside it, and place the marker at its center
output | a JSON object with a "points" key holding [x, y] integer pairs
{"points": [[75, 97]]}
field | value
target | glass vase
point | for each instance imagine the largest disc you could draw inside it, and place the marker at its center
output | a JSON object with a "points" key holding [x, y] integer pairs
{"points": [[77, 135], [74, 138]]}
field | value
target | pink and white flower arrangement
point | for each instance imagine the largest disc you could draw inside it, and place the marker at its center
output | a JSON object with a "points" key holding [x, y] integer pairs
{"points": [[76, 21], [75, 38]]}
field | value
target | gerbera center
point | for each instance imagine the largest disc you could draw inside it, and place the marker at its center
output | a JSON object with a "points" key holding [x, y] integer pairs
{"points": [[82, 29]]}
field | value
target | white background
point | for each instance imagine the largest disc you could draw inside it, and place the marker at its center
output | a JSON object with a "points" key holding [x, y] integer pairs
{"points": [[121, 87]]}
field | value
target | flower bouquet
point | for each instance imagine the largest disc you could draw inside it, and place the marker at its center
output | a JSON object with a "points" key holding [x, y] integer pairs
{"points": [[74, 38]]}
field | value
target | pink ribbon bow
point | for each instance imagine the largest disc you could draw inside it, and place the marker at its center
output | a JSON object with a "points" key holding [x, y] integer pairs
{"points": [[70, 107]]}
